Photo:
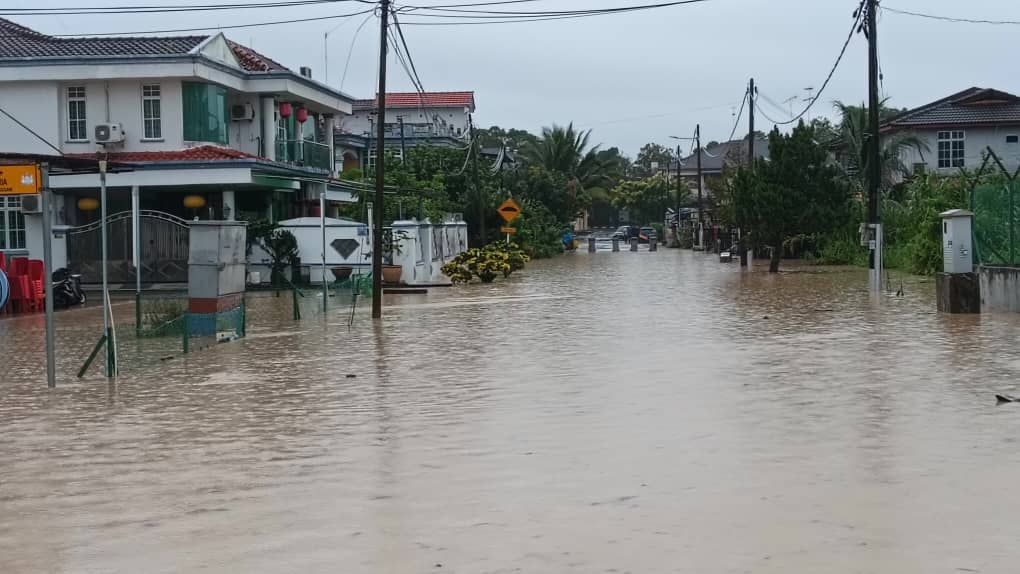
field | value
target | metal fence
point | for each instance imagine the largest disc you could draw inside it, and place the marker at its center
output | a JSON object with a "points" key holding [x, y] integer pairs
{"points": [[995, 201]]}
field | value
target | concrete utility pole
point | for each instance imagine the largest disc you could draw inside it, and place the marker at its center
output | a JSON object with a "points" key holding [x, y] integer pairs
{"points": [[701, 225], [380, 167], [874, 151], [47, 209], [474, 176]]}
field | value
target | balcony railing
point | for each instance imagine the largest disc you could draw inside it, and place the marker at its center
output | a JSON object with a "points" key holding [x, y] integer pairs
{"points": [[307, 153]]}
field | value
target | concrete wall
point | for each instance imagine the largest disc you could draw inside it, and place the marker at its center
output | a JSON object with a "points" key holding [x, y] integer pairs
{"points": [[426, 248], [308, 232], [456, 117], [36, 105], [976, 142], [1000, 289]]}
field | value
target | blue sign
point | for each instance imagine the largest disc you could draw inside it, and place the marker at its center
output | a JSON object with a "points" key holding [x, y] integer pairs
{"points": [[5, 289]]}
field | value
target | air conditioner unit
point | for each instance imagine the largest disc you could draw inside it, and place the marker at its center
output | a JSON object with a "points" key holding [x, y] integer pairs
{"points": [[31, 204], [109, 133], [242, 112]]}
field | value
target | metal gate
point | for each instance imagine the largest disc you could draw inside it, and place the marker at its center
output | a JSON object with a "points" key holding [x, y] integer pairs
{"points": [[164, 257]]}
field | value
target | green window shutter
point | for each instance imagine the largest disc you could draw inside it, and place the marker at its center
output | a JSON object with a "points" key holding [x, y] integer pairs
{"points": [[205, 113]]}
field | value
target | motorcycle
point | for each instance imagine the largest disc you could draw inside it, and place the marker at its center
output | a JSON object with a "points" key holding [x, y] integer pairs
{"points": [[67, 290]]}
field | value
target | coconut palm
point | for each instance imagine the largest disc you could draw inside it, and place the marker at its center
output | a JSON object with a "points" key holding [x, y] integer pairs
{"points": [[853, 150], [567, 151]]}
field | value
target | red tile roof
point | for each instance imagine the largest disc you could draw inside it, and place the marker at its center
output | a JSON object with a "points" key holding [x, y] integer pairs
{"points": [[19, 42], [200, 153], [415, 100]]}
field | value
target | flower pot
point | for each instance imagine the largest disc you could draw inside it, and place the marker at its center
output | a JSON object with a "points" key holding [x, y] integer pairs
{"points": [[342, 273], [391, 273]]}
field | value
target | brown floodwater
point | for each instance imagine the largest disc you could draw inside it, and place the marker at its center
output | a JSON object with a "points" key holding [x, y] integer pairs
{"points": [[648, 412]]}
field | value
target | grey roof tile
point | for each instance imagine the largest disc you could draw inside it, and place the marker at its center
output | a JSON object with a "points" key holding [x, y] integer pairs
{"points": [[969, 107]]}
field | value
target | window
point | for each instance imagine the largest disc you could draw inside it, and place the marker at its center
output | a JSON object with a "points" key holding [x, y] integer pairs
{"points": [[76, 124], [951, 149], [205, 113], [1012, 139], [12, 223], [152, 115]]}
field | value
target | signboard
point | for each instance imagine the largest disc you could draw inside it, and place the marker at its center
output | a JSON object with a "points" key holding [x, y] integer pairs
{"points": [[5, 289], [508, 230], [509, 210], [19, 179]]}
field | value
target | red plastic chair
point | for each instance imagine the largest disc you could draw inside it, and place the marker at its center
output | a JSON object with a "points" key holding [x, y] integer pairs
{"points": [[19, 293], [36, 276], [3, 262], [19, 266]]}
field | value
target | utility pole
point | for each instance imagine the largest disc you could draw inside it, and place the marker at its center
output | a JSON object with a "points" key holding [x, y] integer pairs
{"points": [[874, 153], [701, 225], [743, 251], [474, 175], [380, 167]]}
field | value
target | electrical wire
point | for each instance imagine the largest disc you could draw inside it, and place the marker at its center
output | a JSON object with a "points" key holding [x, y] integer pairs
{"points": [[31, 131], [413, 6], [740, 114], [350, 51], [161, 9], [481, 17], [951, 19], [858, 16], [461, 13], [206, 28]]}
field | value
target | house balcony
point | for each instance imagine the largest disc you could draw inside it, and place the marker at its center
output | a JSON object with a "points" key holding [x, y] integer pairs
{"points": [[304, 152]]}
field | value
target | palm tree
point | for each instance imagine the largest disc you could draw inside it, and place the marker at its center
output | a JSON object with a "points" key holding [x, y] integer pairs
{"points": [[565, 150], [853, 150]]}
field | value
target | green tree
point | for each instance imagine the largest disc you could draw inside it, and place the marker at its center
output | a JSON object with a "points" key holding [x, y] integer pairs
{"points": [[646, 199], [851, 146], [797, 192], [649, 154]]}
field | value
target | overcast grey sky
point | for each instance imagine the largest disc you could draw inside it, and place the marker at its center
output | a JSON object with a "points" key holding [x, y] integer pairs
{"points": [[631, 78]]}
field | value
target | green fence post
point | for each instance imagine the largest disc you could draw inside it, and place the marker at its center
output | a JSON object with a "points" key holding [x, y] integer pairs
{"points": [[92, 356], [1012, 235], [297, 309], [244, 318], [185, 331], [111, 360], [138, 312]]}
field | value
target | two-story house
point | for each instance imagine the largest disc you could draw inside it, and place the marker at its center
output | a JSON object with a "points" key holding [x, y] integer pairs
{"points": [[198, 126], [958, 129], [436, 118]]}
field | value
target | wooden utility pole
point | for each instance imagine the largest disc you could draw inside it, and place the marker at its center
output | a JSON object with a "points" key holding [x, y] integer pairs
{"points": [[743, 242], [874, 151], [380, 168], [474, 176]]}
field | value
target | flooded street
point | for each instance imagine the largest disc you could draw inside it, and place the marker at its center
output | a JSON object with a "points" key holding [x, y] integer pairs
{"points": [[627, 412]]}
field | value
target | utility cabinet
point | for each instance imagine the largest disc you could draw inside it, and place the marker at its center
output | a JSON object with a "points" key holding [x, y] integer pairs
{"points": [[957, 239]]}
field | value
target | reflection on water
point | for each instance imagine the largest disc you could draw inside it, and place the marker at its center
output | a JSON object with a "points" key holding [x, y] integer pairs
{"points": [[608, 413]]}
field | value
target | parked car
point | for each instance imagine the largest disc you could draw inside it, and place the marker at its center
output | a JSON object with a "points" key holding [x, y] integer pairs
{"points": [[625, 232], [647, 235]]}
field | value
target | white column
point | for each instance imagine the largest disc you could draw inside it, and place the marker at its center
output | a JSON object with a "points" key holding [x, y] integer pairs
{"points": [[136, 237], [229, 206], [268, 128], [330, 128]]}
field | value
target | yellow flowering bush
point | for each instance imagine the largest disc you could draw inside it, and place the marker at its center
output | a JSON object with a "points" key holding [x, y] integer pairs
{"points": [[486, 263]]}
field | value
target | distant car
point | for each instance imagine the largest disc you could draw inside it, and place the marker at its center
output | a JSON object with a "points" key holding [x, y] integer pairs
{"points": [[647, 235], [625, 232]]}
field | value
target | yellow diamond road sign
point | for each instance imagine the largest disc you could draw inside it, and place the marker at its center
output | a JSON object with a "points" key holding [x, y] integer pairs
{"points": [[509, 210]]}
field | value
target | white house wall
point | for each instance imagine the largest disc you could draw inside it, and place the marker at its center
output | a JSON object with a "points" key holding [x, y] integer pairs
{"points": [[977, 140], [34, 104]]}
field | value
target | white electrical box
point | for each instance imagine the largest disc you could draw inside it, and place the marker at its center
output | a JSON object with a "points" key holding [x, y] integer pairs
{"points": [[957, 248]]}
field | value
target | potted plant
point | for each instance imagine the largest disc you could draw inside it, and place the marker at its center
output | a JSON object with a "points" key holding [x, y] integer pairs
{"points": [[392, 245]]}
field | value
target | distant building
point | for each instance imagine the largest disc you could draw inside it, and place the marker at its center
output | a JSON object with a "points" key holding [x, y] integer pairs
{"points": [[412, 119], [714, 159], [959, 128]]}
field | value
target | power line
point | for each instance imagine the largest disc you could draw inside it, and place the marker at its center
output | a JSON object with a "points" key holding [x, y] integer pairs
{"points": [[460, 13], [858, 16], [158, 9], [403, 41], [31, 131], [350, 51], [740, 114], [492, 17], [951, 19], [415, 7]]}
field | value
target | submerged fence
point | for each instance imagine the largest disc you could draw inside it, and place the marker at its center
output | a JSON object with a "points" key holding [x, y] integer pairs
{"points": [[995, 201]]}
